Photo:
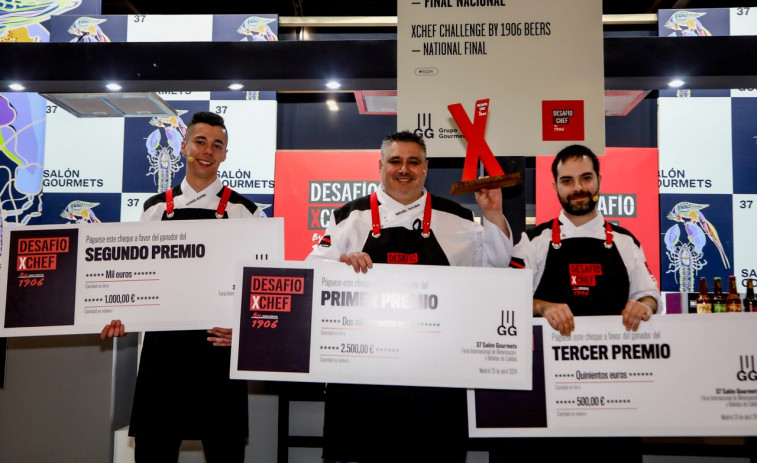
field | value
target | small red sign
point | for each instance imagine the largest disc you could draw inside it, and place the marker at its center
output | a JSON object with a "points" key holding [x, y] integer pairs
{"points": [[401, 258], [562, 120]]}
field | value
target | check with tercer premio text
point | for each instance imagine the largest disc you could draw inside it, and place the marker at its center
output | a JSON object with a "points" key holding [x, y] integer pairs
{"points": [[678, 375]]}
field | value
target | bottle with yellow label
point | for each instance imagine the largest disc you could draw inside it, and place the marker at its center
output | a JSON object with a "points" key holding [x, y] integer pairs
{"points": [[704, 304], [732, 301]]}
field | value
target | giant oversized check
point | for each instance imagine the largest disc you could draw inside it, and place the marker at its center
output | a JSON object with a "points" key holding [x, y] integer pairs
{"points": [[678, 375], [170, 275], [397, 324]]}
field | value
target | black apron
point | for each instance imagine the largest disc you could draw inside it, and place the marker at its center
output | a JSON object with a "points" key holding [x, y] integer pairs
{"points": [[370, 423], [586, 273], [183, 386], [589, 275]]}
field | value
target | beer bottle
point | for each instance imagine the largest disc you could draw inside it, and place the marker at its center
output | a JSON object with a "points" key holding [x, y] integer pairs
{"points": [[732, 301], [718, 301], [704, 304], [750, 304]]}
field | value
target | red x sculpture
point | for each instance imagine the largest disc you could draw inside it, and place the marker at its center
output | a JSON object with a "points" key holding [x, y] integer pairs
{"points": [[478, 149]]}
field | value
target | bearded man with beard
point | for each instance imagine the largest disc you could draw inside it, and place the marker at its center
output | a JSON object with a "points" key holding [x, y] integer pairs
{"points": [[583, 265]]}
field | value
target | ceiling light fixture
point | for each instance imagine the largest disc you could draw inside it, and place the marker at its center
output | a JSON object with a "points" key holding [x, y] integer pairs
{"points": [[376, 101], [333, 85], [236, 86], [621, 102], [112, 104], [113, 86], [675, 83], [16, 86]]}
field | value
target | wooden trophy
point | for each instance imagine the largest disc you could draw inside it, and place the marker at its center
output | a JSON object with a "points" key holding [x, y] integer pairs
{"points": [[478, 149]]}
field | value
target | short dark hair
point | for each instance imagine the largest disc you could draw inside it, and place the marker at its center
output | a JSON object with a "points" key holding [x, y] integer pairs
{"points": [[206, 117], [575, 151], [404, 136]]}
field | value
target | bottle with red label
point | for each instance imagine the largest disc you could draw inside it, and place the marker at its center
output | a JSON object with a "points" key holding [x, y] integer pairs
{"points": [[732, 301]]}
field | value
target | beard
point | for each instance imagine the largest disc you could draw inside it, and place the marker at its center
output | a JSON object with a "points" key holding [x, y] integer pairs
{"points": [[585, 206]]}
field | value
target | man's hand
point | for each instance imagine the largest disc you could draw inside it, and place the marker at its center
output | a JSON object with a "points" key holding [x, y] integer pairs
{"points": [[490, 203], [360, 261], [115, 329], [559, 316], [221, 336], [635, 312]]}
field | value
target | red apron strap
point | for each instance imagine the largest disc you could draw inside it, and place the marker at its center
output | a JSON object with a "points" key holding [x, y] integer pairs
{"points": [[608, 235], [556, 241], [375, 219], [556, 234], [169, 203], [224, 201], [426, 226]]}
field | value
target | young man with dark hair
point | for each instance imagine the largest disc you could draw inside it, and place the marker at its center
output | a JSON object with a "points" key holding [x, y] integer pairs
{"points": [[183, 388], [581, 240], [583, 265]]}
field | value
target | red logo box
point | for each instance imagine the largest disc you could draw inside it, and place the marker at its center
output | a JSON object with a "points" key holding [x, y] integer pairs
{"points": [[562, 120]]}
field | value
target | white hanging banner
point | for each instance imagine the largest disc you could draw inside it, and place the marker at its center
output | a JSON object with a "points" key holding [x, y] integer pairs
{"points": [[540, 65]]}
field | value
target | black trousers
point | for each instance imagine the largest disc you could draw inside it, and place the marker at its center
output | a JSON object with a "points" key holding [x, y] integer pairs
{"points": [[165, 449], [568, 449]]}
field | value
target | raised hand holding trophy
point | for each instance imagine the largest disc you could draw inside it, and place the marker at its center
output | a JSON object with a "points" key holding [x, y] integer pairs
{"points": [[478, 149]]}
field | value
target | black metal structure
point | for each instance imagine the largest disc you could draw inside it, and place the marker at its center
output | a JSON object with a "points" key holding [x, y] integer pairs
{"points": [[631, 63]]}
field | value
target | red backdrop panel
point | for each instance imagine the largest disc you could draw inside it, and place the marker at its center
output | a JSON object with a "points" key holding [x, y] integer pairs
{"points": [[311, 184]]}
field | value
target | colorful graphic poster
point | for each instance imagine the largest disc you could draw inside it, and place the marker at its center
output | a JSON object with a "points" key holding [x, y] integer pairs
{"points": [[94, 170], [22, 144], [322, 322], [696, 22], [311, 184], [26, 21], [695, 245], [89, 28], [627, 196], [103, 169], [164, 28], [605, 381], [707, 166], [520, 55]]}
